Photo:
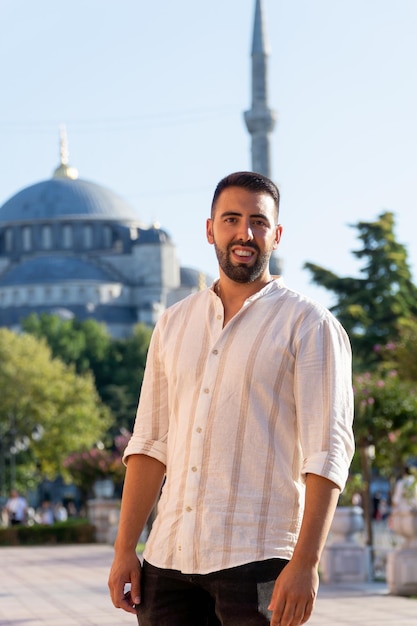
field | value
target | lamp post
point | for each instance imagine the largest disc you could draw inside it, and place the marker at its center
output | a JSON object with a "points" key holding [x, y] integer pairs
{"points": [[367, 455]]}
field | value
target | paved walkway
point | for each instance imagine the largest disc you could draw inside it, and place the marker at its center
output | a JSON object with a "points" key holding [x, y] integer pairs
{"points": [[67, 586]]}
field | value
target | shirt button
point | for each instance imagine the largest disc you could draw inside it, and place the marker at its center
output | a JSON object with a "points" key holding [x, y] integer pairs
{"points": [[199, 429], [215, 352], [188, 509], [206, 390], [194, 469], [219, 317], [179, 548]]}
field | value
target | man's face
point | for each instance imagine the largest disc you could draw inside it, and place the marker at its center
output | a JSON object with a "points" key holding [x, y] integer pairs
{"points": [[244, 233]]}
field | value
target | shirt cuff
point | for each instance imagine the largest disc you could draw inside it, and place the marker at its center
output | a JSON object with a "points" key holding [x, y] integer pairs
{"points": [[155, 449], [329, 466]]}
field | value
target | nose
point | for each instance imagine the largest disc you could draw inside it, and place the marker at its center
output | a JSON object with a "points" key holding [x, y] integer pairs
{"points": [[245, 231]]}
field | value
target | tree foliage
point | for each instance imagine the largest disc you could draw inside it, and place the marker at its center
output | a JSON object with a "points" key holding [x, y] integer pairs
{"points": [[126, 367], [401, 355], [41, 394], [117, 364], [386, 417], [84, 344], [371, 306]]}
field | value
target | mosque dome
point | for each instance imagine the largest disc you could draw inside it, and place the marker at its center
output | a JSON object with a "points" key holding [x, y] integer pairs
{"points": [[154, 234], [65, 198], [75, 248]]}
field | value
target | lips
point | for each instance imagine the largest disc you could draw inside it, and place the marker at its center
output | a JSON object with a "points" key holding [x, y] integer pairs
{"points": [[243, 255]]}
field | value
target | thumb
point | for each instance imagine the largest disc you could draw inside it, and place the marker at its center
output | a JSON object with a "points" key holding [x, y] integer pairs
{"points": [[135, 587]]}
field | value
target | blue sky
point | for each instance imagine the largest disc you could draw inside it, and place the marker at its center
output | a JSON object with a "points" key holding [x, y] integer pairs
{"points": [[153, 94]]}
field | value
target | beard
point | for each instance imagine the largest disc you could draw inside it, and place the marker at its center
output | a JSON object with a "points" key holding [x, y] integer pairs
{"points": [[242, 273]]}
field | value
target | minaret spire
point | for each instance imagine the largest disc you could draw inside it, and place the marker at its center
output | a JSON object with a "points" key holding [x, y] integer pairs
{"points": [[260, 119], [64, 170]]}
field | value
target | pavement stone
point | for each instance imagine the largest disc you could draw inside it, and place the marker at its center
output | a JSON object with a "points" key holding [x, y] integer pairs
{"points": [[67, 586]]}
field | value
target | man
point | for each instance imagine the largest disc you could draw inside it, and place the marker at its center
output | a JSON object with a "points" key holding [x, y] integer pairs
{"points": [[16, 508], [246, 410]]}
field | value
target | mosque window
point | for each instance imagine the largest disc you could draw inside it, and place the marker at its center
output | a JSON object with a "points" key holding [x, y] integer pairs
{"points": [[67, 236], [88, 236], [27, 238], [107, 237], [134, 234], [46, 237], [8, 240]]}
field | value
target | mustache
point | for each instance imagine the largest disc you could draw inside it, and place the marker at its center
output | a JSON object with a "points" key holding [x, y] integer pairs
{"points": [[240, 242]]}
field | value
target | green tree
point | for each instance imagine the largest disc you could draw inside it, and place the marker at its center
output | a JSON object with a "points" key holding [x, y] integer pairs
{"points": [[385, 411], [41, 395], [401, 355], [385, 422], [117, 364], [371, 306], [126, 366], [399, 362], [84, 344]]}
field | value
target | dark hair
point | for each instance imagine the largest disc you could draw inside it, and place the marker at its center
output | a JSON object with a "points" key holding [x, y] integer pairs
{"points": [[252, 181]]}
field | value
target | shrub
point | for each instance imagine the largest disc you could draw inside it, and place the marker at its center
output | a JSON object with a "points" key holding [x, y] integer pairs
{"points": [[70, 531]]}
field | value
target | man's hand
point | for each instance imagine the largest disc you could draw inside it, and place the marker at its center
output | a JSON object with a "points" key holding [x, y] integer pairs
{"points": [[294, 595], [126, 569]]}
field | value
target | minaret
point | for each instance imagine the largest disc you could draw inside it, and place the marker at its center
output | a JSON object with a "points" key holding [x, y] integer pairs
{"points": [[260, 119]]}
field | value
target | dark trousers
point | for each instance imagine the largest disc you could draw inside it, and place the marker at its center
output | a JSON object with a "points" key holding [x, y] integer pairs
{"points": [[238, 596]]}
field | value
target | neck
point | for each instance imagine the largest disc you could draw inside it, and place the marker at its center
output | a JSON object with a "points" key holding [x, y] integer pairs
{"points": [[233, 294], [228, 289]]}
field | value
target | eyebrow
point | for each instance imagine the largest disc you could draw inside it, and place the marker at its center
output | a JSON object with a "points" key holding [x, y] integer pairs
{"points": [[237, 214]]}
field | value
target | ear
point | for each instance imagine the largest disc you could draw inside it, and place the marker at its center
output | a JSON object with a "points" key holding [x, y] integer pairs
{"points": [[209, 230], [278, 234]]}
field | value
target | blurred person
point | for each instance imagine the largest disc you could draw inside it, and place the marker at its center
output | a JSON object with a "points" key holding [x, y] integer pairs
{"points": [[405, 491], [45, 514], [16, 508], [60, 512]]}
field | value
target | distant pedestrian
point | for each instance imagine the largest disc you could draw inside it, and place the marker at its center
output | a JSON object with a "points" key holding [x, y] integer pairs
{"points": [[405, 491], [16, 508], [60, 512], [46, 513]]}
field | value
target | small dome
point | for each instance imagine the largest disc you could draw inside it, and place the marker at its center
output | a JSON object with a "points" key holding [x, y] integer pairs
{"points": [[153, 235], [191, 277], [66, 198]]}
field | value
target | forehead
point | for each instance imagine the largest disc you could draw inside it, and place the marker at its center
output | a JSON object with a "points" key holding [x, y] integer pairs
{"points": [[244, 201]]}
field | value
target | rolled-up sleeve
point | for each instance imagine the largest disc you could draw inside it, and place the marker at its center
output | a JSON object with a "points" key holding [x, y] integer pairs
{"points": [[324, 401], [150, 432]]}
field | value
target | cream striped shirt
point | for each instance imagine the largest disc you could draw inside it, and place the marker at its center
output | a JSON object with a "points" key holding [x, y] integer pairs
{"points": [[239, 415]]}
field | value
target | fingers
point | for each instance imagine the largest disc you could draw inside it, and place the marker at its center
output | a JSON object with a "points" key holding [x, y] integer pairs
{"points": [[290, 616], [126, 603], [135, 585], [124, 586], [290, 607]]}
